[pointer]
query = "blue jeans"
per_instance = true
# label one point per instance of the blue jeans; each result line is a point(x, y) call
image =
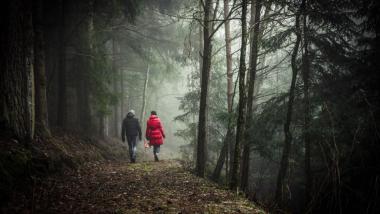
point(132, 142)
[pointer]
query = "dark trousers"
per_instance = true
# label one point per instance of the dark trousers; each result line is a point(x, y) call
point(132, 142)
point(156, 150)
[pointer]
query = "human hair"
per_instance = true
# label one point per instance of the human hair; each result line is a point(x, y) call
point(153, 113)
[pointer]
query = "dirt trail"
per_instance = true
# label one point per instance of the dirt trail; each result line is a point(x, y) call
point(145, 187)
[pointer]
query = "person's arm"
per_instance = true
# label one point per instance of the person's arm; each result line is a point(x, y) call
point(162, 129)
point(123, 131)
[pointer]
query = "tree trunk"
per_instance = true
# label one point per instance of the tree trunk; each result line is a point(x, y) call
point(227, 33)
point(220, 162)
point(306, 101)
point(106, 125)
point(206, 67)
point(102, 130)
point(122, 95)
point(16, 77)
point(116, 112)
point(142, 114)
point(84, 109)
point(62, 88)
point(224, 152)
point(39, 71)
point(255, 29)
point(242, 100)
point(200, 61)
point(282, 174)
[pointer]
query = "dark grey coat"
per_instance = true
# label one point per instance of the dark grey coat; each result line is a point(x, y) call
point(130, 127)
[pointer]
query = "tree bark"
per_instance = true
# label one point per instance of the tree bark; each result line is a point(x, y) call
point(62, 88)
point(41, 112)
point(282, 174)
point(206, 67)
point(242, 101)
point(16, 77)
point(255, 29)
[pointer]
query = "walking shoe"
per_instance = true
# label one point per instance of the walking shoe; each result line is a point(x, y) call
point(155, 158)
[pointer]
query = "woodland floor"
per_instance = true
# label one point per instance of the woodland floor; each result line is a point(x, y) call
point(123, 187)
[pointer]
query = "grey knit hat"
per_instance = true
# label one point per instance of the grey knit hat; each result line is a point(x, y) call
point(132, 112)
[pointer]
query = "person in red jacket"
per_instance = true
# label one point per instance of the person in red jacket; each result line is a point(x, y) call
point(155, 133)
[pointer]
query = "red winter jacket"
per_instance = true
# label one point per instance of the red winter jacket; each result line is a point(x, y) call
point(154, 131)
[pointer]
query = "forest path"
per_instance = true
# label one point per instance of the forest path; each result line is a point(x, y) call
point(144, 187)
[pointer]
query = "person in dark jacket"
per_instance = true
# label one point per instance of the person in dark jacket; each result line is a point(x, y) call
point(131, 129)
point(155, 133)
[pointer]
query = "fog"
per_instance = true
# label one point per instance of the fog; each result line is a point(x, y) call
point(278, 100)
point(164, 99)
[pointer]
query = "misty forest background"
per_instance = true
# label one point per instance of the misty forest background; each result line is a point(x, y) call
point(276, 98)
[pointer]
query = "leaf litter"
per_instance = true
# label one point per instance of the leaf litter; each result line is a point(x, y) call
point(144, 187)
